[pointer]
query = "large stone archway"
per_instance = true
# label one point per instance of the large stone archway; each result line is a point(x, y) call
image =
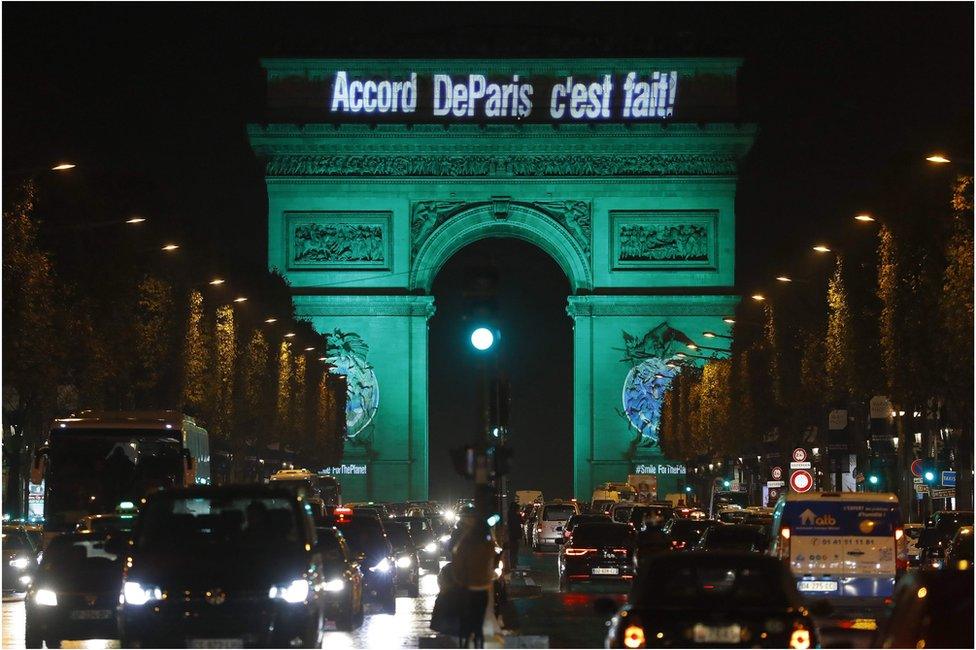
point(640, 217)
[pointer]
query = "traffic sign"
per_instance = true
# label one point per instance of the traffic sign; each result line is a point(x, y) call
point(801, 481)
point(917, 480)
point(837, 420)
point(948, 479)
point(917, 467)
point(803, 465)
point(943, 493)
point(799, 454)
point(880, 407)
point(922, 489)
point(775, 484)
point(776, 473)
point(773, 494)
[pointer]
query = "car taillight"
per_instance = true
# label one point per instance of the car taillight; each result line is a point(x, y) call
point(634, 636)
point(567, 533)
point(620, 551)
point(539, 529)
point(579, 551)
point(784, 543)
point(677, 543)
point(899, 533)
point(800, 639)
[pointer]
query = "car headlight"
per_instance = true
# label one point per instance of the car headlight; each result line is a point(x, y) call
point(404, 562)
point(26, 579)
point(431, 548)
point(20, 563)
point(45, 598)
point(382, 566)
point(445, 538)
point(134, 593)
point(334, 585)
point(294, 592)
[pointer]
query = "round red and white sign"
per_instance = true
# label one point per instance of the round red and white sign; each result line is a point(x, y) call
point(801, 481)
point(917, 467)
point(799, 454)
point(773, 495)
point(776, 473)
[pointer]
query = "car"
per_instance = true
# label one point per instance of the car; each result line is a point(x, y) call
point(620, 511)
point(428, 548)
point(76, 591)
point(938, 532)
point(343, 580)
point(552, 518)
point(374, 552)
point(959, 555)
point(733, 537)
point(654, 515)
point(931, 609)
point(19, 561)
point(597, 551)
point(683, 534)
point(407, 563)
point(731, 514)
point(234, 566)
point(709, 599)
point(912, 550)
point(602, 505)
point(586, 518)
point(117, 522)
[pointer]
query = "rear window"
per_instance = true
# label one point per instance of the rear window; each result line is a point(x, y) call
point(67, 555)
point(734, 538)
point(558, 513)
point(17, 541)
point(399, 536)
point(706, 583)
point(622, 514)
point(602, 535)
point(687, 530)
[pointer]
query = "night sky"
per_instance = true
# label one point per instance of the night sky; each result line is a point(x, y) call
point(848, 100)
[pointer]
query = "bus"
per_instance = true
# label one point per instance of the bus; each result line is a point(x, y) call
point(96, 462)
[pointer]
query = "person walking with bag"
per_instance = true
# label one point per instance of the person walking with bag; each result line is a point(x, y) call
point(473, 562)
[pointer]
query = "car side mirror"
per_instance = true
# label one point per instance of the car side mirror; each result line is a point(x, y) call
point(604, 607)
point(821, 608)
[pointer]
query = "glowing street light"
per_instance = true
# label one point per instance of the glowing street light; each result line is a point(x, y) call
point(169, 248)
point(323, 358)
point(659, 375)
point(217, 281)
point(758, 297)
point(936, 158)
point(309, 349)
point(240, 299)
point(482, 338)
point(60, 167)
point(730, 320)
point(864, 216)
point(270, 320)
point(822, 248)
point(784, 278)
point(713, 335)
point(691, 346)
point(289, 335)
point(135, 220)
point(680, 355)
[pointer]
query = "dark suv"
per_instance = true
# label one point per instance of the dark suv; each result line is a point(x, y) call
point(234, 566)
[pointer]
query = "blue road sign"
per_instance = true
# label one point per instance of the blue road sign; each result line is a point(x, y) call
point(948, 479)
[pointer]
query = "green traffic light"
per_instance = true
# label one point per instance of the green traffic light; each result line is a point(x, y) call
point(728, 483)
point(929, 476)
point(687, 488)
point(873, 479)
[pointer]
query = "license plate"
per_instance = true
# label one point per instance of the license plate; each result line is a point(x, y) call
point(91, 614)
point(816, 585)
point(215, 643)
point(605, 571)
point(717, 634)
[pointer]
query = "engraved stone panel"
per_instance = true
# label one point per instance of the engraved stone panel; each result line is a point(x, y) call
point(338, 240)
point(652, 239)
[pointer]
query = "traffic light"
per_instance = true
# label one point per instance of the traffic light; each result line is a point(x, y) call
point(930, 471)
point(688, 489)
point(874, 479)
point(726, 484)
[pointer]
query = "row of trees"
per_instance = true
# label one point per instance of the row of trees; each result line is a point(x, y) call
point(103, 323)
point(895, 318)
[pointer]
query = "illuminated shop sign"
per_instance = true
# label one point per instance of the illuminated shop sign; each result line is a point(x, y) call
point(634, 95)
point(344, 469)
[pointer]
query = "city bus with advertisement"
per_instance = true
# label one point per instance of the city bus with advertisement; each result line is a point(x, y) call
point(98, 461)
point(842, 547)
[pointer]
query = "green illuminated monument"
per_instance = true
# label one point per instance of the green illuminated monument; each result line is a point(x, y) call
point(623, 171)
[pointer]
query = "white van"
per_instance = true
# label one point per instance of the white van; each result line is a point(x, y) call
point(552, 519)
point(841, 546)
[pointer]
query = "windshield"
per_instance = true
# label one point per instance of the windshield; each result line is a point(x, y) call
point(234, 521)
point(73, 556)
point(416, 526)
point(91, 472)
point(399, 537)
point(365, 538)
point(621, 514)
point(656, 516)
point(710, 584)
point(558, 513)
point(122, 523)
point(597, 535)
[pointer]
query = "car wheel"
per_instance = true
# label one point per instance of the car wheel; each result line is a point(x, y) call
point(346, 620)
point(53, 643)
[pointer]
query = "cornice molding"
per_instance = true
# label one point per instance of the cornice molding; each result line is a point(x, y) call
point(651, 305)
point(307, 306)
